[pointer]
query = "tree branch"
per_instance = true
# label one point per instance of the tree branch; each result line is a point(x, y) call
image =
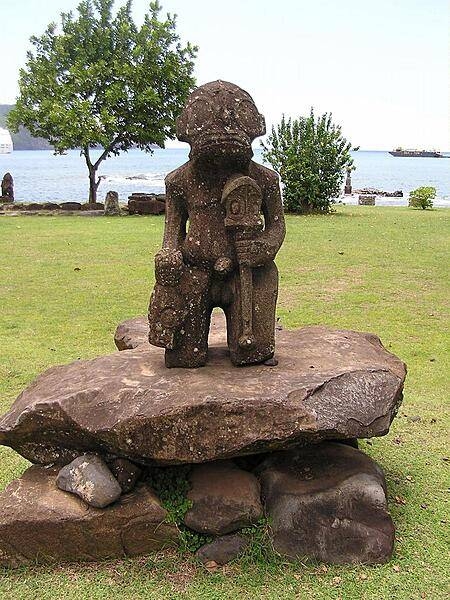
point(105, 152)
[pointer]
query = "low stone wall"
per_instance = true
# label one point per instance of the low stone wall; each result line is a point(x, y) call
point(52, 206)
point(146, 204)
point(364, 200)
point(376, 192)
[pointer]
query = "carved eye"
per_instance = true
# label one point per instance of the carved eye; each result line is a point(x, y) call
point(236, 207)
point(201, 113)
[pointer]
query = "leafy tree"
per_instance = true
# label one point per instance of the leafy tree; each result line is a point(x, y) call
point(422, 197)
point(311, 157)
point(104, 82)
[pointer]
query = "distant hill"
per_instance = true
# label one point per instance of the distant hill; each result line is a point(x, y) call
point(22, 140)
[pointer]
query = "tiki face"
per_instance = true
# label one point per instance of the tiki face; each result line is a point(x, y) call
point(220, 120)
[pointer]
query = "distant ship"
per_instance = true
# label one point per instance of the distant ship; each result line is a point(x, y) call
point(6, 144)
point(417, 153)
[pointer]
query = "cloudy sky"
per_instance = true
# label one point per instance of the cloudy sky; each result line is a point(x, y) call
point(380, 66)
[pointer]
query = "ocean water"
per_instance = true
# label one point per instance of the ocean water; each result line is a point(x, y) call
point(39, 176)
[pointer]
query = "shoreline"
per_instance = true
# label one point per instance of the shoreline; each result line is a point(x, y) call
point(10, 212)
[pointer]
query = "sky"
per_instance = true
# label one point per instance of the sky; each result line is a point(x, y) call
point(381, 67)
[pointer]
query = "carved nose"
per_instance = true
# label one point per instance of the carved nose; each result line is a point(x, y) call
point(227, 116)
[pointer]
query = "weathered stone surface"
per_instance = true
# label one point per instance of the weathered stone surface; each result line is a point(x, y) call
point(329, 384)
point(50, 206)
point(327, 502)
point(131, 333)
point(376, 192)
point(89, 478)
point(348, 182)
point(33, 206)
point(224, 498)
point(40, 523)
point(126, 473)
point(223, 549)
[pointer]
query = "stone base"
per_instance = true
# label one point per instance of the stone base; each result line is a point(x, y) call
point(40, 523)
point(325, 502)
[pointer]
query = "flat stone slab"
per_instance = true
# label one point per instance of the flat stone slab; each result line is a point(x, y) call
point(329, 384)
point(39, 523)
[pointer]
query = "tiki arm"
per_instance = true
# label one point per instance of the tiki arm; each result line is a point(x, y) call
point(169, 260)
point(176, 216)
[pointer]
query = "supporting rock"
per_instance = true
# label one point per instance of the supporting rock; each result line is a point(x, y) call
point(328, 503)
point(40, 523)
point(224, 498)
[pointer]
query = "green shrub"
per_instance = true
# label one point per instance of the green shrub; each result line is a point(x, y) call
point(311, 157)
point(422, 197)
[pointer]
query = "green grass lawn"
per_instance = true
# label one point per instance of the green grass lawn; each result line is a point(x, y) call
point(66, 282)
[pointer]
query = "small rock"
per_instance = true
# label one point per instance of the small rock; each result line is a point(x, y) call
point(50, 206)
point(146, 204)
point(211, 566)
point(271, 362)
point(366, 200)
point(223, 549)
point(126, 473)
point(89, 478)
point(415, 419)
point(225, 498)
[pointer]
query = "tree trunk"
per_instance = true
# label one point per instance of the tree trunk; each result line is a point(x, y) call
point(93, 184)
point(92, 168)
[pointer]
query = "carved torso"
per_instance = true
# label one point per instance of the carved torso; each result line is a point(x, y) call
point(199, 198)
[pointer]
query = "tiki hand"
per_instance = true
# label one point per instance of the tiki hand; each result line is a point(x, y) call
point(168, 266)
point(253, 253)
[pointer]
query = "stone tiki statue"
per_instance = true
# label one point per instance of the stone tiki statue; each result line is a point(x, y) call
point(224, 226)
point(8, 187)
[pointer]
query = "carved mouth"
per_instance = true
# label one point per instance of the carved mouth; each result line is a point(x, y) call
point(235, 140)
